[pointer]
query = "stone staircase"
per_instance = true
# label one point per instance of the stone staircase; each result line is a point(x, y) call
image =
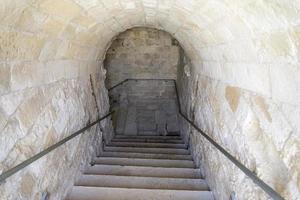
point(142, 168)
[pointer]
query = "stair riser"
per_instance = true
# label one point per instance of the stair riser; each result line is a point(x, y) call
point(148, 137)
point(149, 141)
point(143, 171)
point(147, 150)
point(145, 145)
point(145, 162)
point(146, 156)
point(142, 182)
point(92, 193)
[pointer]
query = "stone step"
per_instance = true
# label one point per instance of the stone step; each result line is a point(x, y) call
point(145, 145)
point(147, 140)
point(142, 182)
point(108, 193)
point(147, 137)
point(143, 171)
point(144, 162)
point(146, 155)
point(147, 150)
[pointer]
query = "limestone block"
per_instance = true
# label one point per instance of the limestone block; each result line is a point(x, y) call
point(112, 5)
point(26, 75)
point(27, 185)
point(87, 4)
point(84, 21)
point(9, 136)
point(3, 121)
point(285, 89)
point(149, 3)
point(261, 16)
point(31, 20)
point(276, 47)
point(67, 9)
point(17, 45)
point(128, 4)
point(53, 26)
point(30, 109)
point(11, 10)
point(292, 114)
point(49, 50)
point(242, 50)
point(164, 5)
point(254, 77)
point(4, 78)
point(233, 95)
point(273, 122)
point(10, 102)
point(296, 37)
point(55, 70)
point(221, 32)
point(268, 161)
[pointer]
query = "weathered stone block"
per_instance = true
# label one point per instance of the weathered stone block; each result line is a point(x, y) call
point(67, 9)
point(4, 78)
point(286, 89)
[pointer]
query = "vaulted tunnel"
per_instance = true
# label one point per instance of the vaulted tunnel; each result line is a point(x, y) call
point(237, 73)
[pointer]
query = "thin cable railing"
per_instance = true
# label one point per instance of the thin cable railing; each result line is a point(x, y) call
point(19, 167)
point(259, 182)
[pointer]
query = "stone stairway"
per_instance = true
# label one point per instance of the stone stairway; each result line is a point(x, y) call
point(142, 168)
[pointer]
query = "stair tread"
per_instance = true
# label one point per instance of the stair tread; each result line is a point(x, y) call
point(147, 137)
point(143, 171)
point(144, 162)
point(147, 150)
point(145, 155)
point(172, 141)
point(143, 168)
point(142, 182)
point(145, 145)
point(108, 193)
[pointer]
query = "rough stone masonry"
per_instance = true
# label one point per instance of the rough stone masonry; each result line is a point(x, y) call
point(144, 106)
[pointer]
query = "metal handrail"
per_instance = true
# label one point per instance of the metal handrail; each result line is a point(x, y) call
point(259, 182)
point(27, 162)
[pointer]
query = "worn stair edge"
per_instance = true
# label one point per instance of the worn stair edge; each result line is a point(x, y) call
point(144, 162)
point(142, 182)
point(143, 171)
point(145, 145)
point(147, 150)
point(145, 155)
point(148, 137)
point(106, 193)
point(147, 140)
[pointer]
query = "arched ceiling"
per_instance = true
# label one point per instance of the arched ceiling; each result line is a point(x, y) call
point(221, 37)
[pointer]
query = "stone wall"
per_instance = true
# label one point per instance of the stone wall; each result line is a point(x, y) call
point(141, 53)
point(145, 107)
point(260, 132)
point(40, 117)
point(35, 115)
